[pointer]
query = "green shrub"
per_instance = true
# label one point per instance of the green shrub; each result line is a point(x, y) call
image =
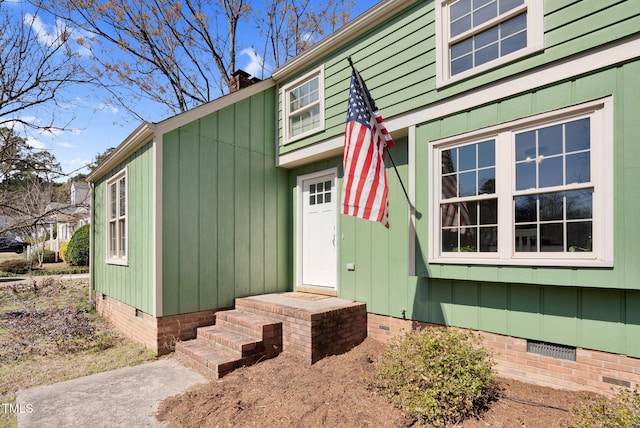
point(62, 270)
point(64, 251)
point(16, 266)
point(622, 411)
point(49, 256)
point(437, 375)
point(79, 247)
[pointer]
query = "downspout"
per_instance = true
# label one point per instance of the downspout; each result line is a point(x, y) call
point(92, 222)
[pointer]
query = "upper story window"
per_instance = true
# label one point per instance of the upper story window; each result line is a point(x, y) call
point(303, 112)
point(117, 227)
point(475, 35)
point(532, 192)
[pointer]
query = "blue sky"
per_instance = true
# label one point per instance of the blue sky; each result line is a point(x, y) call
point(93, 125)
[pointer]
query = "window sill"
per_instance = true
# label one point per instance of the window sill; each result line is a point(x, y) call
point(302, 136)
point(119, 262)
point(523, 262)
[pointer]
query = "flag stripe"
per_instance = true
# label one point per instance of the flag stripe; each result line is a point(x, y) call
point(365, 186)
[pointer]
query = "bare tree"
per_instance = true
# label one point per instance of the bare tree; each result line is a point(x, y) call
point(288, 27)
point(183, 53)
point(34, 70)
point(174, 53)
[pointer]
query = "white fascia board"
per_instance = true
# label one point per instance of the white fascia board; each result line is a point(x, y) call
point(199, 112)
point(147, 130)
point(323, 150)
point(614, 53)
point(142, 135)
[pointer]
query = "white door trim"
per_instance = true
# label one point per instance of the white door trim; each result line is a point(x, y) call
point(299, 216)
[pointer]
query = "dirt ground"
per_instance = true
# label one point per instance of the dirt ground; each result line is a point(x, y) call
point(286, 392)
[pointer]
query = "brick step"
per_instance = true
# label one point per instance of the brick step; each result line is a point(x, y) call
point(213, 362)
point(244, 345)
point(238, 339)
point(249, 324)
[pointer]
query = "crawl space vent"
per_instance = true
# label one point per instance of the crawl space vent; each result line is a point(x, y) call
point(551, 350)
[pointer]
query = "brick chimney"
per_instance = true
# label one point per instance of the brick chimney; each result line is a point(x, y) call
point(240, 79)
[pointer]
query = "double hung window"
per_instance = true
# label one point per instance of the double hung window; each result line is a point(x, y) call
point(474, 35)
point(536, 191)
point(304, 106)
point(117, 218)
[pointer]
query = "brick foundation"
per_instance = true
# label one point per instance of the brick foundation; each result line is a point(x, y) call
point(158, 334)
point(593, 371)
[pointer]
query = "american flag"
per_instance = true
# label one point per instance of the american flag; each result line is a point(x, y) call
point(365, 188)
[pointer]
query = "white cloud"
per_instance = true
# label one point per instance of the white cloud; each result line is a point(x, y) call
point(36, 143)
point(109, 108)
point(59, 34)
point(78, 161)
point(256, 62)
point(42, 32)
point(66, 145)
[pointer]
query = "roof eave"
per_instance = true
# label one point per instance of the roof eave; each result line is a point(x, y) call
point(140, 136)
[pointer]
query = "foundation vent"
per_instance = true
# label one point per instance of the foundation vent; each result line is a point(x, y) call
point(551, 350)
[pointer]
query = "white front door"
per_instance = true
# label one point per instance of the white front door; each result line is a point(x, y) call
point(317, 250)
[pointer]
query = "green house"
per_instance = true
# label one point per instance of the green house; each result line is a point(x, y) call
point(516, 126)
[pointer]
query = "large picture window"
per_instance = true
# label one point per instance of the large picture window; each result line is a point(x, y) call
point(304, 106)
point(117, 218)
point(528, 192)
point(474, 35)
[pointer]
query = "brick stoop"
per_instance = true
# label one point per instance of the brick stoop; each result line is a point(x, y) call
point(310, 326)
point(238, 339)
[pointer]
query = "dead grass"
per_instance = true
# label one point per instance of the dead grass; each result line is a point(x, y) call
point(49, 334)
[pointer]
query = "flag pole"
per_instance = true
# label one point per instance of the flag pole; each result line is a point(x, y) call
point(370, 109)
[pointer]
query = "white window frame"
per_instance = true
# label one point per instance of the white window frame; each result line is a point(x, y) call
point(121, 256)
point(535, 39)
point(600, 113)
point(317, 73)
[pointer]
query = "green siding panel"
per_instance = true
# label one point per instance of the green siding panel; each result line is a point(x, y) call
point(131, 284)
point(632, 322)
point(493, 308)
point(525, 309)
point(223, 208)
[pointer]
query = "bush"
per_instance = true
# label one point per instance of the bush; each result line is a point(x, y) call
point(64, 251)
point(49, 256)
point(79, 247)
point(437, 375)
point(623, 411)
point(63, 270)
point(16, 266)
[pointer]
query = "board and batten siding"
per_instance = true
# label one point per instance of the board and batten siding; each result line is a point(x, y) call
point(131, 284)
point(224, 209)
point(397, 59)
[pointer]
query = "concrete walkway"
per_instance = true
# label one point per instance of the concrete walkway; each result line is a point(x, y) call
point(127, 397)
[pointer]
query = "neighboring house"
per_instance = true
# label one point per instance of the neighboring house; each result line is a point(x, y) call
point(68, 217)
point(516, 130)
